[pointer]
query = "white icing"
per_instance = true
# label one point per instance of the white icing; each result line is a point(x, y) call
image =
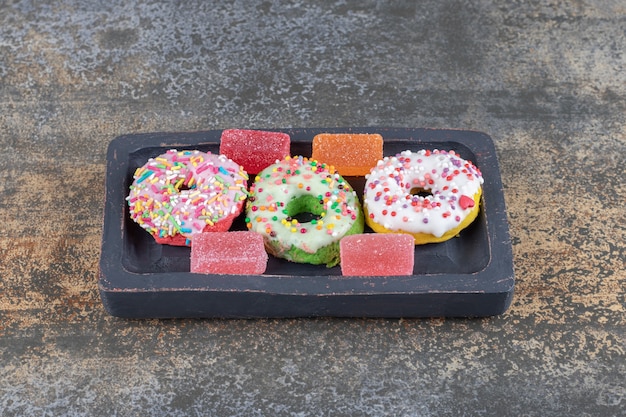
point(388, 200)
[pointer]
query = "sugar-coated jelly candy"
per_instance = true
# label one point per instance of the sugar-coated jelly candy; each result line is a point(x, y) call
point(254, 149)
point(352, 154)
point(377, 254)
point(240, 253)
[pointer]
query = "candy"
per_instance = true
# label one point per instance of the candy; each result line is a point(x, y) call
point(254, 149)
point(374, 254)
point(239, 253)
point(352, 154)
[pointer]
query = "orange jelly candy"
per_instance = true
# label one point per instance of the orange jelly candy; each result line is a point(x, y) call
point(352, 154)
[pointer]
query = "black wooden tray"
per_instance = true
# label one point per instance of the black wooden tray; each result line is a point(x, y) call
point(467, 276)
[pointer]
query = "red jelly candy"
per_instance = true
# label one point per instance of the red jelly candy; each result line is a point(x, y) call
point(239, 253)
point(377, 254)
point(254, 149)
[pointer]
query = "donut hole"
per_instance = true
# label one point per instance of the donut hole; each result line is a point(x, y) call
point(182, 186)
point(304, 209)
point(420, 192)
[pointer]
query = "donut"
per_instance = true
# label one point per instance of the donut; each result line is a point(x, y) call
point(431, 195)
point(303, 208)
point(181, 193)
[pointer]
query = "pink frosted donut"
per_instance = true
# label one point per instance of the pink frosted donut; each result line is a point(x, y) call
point(182, 193)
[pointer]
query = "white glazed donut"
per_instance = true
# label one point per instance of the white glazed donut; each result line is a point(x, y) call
point(431, 195)
point(181, 193)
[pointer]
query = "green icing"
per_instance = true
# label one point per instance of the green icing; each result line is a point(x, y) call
point(328, 255)
point(304, 204)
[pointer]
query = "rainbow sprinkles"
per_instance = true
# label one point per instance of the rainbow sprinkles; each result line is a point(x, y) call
point(186, 192)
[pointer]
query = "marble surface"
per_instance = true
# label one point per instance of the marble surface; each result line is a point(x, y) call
point(544, 78)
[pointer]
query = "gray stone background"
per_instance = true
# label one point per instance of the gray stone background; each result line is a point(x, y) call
point(544, 78)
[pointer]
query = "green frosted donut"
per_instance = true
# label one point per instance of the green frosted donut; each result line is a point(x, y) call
point(303, 208)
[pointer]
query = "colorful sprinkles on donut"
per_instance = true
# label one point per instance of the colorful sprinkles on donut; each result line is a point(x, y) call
point(431, 195)
point(303, 208)
point(181, 193)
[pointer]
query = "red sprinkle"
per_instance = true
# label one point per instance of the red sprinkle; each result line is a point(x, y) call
point(466, 202)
